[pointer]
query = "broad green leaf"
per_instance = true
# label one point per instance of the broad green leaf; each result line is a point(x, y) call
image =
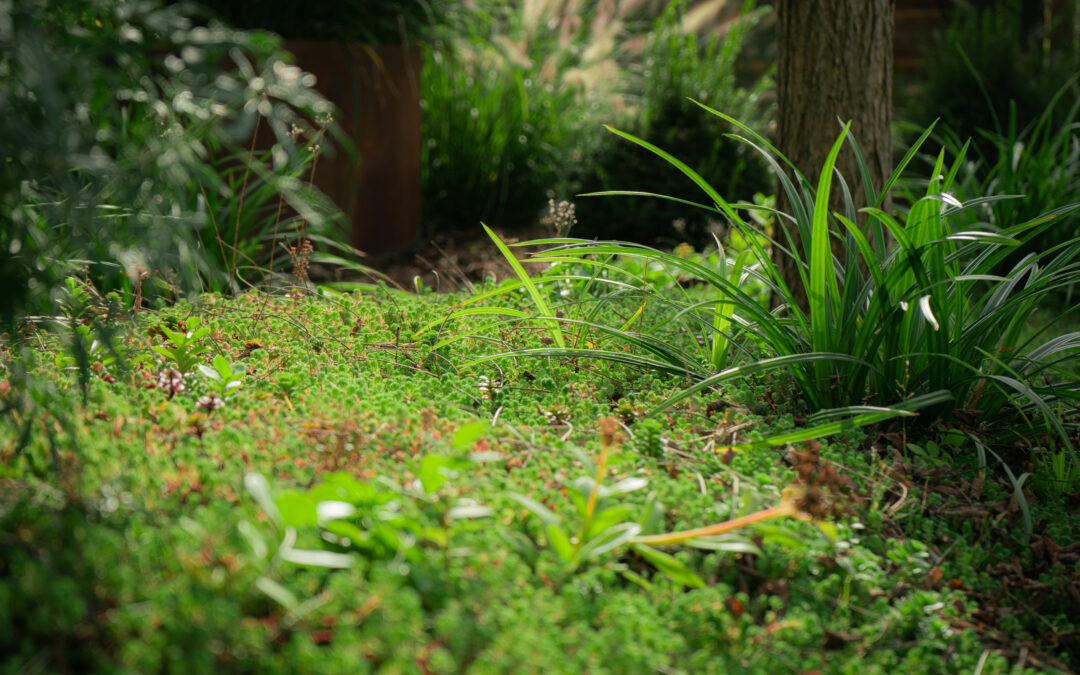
point(468, 511)
point(222, 366)
point(254, 538)
point(207, 371)
point(774, 534)
point(277, 592)
point(724, 543)
point(608, 540)
point(432, 473)
point(349, 532)
point(652, 517)
point(316, 558)
point(559, 542)
point(624, 486)
point(669, 566)
point(635, 578)
point(178, 339)
point(259, 489)
point(333, 510)
point(828, 529)
point(297, 509)
point(467, 434)
point(605, 518)
point(537, 509)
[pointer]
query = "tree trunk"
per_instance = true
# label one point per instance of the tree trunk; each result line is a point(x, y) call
point(834, 62)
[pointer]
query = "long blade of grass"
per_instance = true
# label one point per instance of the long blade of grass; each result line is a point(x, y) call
point(721, 203)
point(1041, 404)
point(472, 311)
point(908, 156)
point(769, 152)
point(637, 193)
point(625, 358)
point(823, 291)
point(547, 315)
point(864, 170)
point(854, 417)
point(774, 363)
point(1018, 495)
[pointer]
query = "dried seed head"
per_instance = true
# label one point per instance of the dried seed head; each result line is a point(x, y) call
point(210, 402)
point(171, 381)
point(608, 428)
point(301, 259)
point(561, 217)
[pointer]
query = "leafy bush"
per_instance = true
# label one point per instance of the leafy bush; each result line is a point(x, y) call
point(113, 113)
point(510, 109)
point(514, 103)
point(676, 65)
point(985, 60)
point(368, 21)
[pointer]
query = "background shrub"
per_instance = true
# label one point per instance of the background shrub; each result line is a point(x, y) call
point(1013, 61)
point(676, 66)
point(112, 115)
point(515, 99)
point(994, 77)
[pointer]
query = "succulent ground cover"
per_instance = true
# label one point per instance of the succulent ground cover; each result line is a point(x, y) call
point(317, 483)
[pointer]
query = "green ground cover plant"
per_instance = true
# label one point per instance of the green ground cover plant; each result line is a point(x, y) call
point(395, 512)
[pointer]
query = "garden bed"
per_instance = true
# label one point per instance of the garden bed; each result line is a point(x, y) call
point(178, 535)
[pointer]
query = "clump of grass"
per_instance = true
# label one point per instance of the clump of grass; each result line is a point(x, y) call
point(930, 321)
point(1034, 165)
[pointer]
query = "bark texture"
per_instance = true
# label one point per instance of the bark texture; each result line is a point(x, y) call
point(834, 62)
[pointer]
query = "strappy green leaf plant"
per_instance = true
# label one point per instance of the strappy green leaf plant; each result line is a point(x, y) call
point(1040, 161)
point(929, 319)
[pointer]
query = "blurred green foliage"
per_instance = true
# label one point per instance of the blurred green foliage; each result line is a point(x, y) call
point(515, 98)
point(677, 66)
point(988, 58)
point(511, 106)
point(1003, 76)
point(114, 113)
